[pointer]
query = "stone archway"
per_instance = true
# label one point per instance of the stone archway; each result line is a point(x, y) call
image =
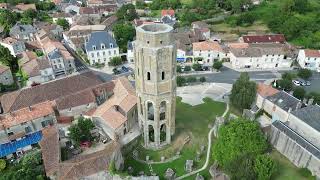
point(151, 133)
point(163, 133)
point(150, 110)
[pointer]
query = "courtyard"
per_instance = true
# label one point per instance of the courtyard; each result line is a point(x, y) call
point(190, 139)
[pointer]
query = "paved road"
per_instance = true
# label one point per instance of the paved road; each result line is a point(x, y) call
point(230, 76)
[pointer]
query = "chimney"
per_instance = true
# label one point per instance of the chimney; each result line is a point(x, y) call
point(310, 102)
point(298, 105)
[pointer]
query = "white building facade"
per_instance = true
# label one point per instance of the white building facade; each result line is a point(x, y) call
point(309, 59)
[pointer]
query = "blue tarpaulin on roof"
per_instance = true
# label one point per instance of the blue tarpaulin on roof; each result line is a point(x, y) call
point(11, 147)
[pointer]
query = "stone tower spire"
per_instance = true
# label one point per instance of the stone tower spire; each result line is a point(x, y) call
point(155, 75)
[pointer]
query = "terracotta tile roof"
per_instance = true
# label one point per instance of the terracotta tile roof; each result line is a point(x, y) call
point(33, 45)
point(85, 165)
point(50, 46)
point(49, 91)
point(3, 68)
point(207, 46)
point(9, 40)
point(124, 97)
point(312, 53)
point(266, 90)
point(272, 38)
point(27, 114)
point(31, 68)
point(50, 149)
point(24, 7)
point(74, 100)
point(27, 56)
point(165, 12)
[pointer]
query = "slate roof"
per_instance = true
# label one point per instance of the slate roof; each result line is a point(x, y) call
point(22, 29)
point(284, 100)
point(296, 137)
point(50, 91)
point(98, 38)
point(310, 115)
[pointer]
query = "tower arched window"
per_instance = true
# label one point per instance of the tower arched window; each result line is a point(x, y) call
point(163, 109)
point(150, 111)
point(148, 76)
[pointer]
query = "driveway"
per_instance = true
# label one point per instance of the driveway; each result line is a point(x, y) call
point(193, 95)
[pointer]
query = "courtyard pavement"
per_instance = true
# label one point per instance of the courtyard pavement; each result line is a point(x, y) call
point(193, 95)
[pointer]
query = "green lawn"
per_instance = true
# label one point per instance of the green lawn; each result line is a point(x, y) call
point(287, 170)
point(191, 121)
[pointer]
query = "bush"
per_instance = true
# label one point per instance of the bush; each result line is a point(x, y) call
point(179, 70)
point(305, 73)
point(197, 67)
point(264, 167)
point(202, 79)
point(180, 81)
point(115, 61)
point(217, 65)
point(304, 172)
point(191, 79)
point(187, 68)
point(3, 164)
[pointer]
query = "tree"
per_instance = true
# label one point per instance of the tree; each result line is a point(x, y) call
point(243, 92)
point(304, 73)
point(239, 5)
point(299, 92)
point(112, 168)
point(238, 138)
point(217, 65)
point(123, 33)
point(115, 61)
point(8, 19)
point(81, 131)
point(63, 23)
point(7, 59)
point(45, 5)
point(197, 67)
point(3, 164)
point(180, 81)
point(285, 84)
point(191, 79)
point(242, 167)
point(202, 79)
point(127, 12)
point(264, 167)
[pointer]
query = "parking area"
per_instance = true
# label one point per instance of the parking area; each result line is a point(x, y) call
point(193, 95)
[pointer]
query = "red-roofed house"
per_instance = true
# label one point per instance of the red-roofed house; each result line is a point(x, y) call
point(209, 52)
point(269, 38)
point(310, 59)
point(119, 113)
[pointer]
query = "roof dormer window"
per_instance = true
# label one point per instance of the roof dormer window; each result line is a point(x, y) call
point(111, 45)
point(94, 47)
point(103, 46)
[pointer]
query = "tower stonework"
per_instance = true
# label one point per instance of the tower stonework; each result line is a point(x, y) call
point(155, 75)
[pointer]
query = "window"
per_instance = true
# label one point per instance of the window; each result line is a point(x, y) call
point(98, 54)
point(94, 47)
point(160, 42)
point(104, 59)
point(111, 45)
point(147, 42)
point(103, 53)
point(10, 133)
point(109, 53)
point(28, 129)
point(148, 76)
point(92, 54)
point(114, 52)
point(103, 46)
point(162, 75)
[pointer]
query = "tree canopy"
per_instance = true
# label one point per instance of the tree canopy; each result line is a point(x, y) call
point(217, 65)
point(304, 73)
point(7, 59)
point(243, 92)
point(127, 12)
point(264, 167)
point(63, 23)
point(123, 33)
point(299, 92)
point(81, 131)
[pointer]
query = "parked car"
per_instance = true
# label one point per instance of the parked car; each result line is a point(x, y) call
point(296, 82)
point(308, 83)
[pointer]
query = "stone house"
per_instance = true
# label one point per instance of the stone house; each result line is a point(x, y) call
point(77, 35)
point(118, 115)
point(130, 54)
point(101, 47)
point(208, 51)
point(15, 46)
point(53, 31)
point(202, 27)
point(309, 59)
point(262, 56)
point(61, 61)
point(19, 126)
point(24, 32)
point(6, 77)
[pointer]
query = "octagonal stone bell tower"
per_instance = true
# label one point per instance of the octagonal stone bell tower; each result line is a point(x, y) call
point(155, 75)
